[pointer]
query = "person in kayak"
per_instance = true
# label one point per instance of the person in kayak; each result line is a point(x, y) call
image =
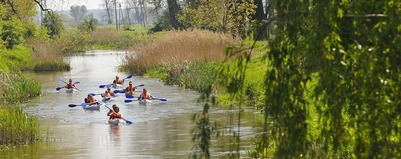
point(145, 95)
point(115, 113)
point(90, 100)
point(118, 80)
point(130, 89)
point(108, 93)
point(70, 84)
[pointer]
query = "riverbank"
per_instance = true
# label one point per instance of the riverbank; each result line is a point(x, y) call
point(16, 127)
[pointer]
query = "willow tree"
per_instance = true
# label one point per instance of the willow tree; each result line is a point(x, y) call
point(228, 16)
point(333, 89)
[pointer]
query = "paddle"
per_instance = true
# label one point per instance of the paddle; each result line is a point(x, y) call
point(127, 121)
point(82, 104)
point(102, 86)
point(123, 90)
point(159, 99)
point(58, 88)
point(74, 105)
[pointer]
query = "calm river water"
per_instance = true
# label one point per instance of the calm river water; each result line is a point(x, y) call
point(160, 130)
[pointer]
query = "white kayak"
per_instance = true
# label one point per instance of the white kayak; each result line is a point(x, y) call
point(69, 90)
point(116, 121)
point(92, 107)
point(107, 99)
point(117, 86)
point(145, 101)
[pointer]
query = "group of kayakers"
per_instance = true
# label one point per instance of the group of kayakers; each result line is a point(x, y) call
point(115, 111)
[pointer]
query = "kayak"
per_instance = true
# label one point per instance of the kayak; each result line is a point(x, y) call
point(92, 107)
point(145, 101)
point(69, 90)
point(116, 121)
point(107, 99)
point(117, 86)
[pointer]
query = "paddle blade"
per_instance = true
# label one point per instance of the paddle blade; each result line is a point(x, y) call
point(61, 80)
point(72, 105)
point(58, 88)
point(129, 96)
point(119, 91)
point(102, 86)
point(161, 99)
point(128, 122)
point(141, 85)
point(128, 77)
point(128, 101)
point(77, 82)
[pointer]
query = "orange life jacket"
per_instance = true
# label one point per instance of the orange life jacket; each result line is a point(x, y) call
point(117, 81)
point(90, 100)
point(114, 115)
point(130, 88)
point(145, 95)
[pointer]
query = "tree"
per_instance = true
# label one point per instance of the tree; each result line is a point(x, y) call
point(174, 9)
point(78, 12)
point(53, 23)
point(332, 90)
point(109, 10)
point(219, 15)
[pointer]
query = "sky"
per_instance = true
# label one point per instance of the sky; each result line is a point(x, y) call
point(65, 4)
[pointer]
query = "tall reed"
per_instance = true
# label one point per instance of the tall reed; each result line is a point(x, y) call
point(48, 56)
point(176, 47)
point(16, 127)
point(17, 88)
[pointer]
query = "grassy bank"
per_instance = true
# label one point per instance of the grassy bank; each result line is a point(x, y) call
point(16, 127)
point(192, 59)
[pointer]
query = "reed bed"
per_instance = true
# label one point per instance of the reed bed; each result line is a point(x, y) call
point(17, 88)
point(16, 127)
point(48, 56)
point(107, 38)
point(176, 49)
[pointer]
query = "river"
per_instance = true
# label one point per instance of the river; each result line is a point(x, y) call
point(160, 129)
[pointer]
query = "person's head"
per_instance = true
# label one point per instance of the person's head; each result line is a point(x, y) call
point(116, 108)
point(70, 80)
point(117, 77)
point(108, 88)
point(144, 90)
point(130, 83)
point(89, 95)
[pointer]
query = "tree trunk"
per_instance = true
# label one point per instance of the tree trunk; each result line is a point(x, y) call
point(173, 9)
point(260, 14)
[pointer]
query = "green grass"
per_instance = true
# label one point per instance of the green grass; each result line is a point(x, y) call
point(15, 59)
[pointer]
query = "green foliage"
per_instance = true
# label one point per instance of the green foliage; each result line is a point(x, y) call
point(12, 32)
point(19, 88)
point(73, 41)
point(219, 15)
point(351, 49)
point(15, 59)
point(163, 23)
point(54, 24)
point(16, 127)
point(88, 24)
point(197, 76)
point(51, 66)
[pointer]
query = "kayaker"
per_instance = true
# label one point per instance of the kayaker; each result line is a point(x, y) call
point(108, 93)
point(90, 100)
point(130, 89)
point(70, 84)
point(115, 113)
point(145, 95)
point(118, 81)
